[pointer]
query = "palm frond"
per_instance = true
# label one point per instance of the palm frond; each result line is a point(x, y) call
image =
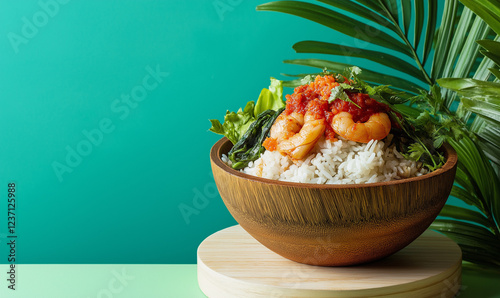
point(444, 38)
point(406, 8)
point(479, 97)
point(463, 50)
point(472, 238)
point(495, 72)
point(465, 215)
point(387, 16)
point(419, 23)
point(431, 28)
point(359, 10)
point(476, 174)
point(488, 10)
point(458, 41)
point(382, 58)
point(336, 21)
point(470, 50)
point(449, 51)
point(377, 23)
point(482, 73)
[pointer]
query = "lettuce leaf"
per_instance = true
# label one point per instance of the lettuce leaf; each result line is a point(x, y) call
point(236, 124)
point(270, 99)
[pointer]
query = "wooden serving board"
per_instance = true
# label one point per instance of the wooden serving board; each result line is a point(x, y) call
point(233, 264)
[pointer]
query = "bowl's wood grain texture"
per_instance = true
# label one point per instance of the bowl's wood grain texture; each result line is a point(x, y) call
point(333, 225)
point(233, 264)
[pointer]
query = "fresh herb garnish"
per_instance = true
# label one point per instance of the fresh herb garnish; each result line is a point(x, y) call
point(339, 93)
point(416, 144)
point(307, 79)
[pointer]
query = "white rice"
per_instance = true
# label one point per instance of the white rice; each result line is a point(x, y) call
point(340, 162)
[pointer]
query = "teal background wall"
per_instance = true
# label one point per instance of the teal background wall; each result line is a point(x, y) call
point(104, 120)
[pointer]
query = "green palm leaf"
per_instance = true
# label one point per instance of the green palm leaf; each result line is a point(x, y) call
point(469, 52)
point(477, 244)
point(465, 190)
point(482, 73)
point(487, 106)
point(488, 132)
point(492, 56)
point(488, 10)
point(374, 6)
point(379, 57)
point(419, 22)
point(358, 10)
point(459, 39)
point(490, 45)
point(463, 49)
point(473, 233)
point(336, 21)
point(431, 28)
point(391, 7)
point(482, 173)
point(444, 37)
point(464, 214)
point(449, 51)
point(479, 97)
point(406, 7)
point(495, 72)
point(490, 148)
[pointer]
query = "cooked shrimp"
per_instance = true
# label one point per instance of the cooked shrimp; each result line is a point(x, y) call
point(377, 127)
point(286, 126)
point(299, 143)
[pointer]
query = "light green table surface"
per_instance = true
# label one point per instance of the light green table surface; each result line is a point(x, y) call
point(151, 281)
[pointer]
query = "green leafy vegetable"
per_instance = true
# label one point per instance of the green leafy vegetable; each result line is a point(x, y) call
point(236, 124)
point(415, 144)
point(249, 147)
point(270, 99)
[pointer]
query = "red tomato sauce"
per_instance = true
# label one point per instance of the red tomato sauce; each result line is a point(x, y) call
point(314, 98)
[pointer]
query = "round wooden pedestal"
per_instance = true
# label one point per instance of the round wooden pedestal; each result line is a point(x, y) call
point(233, 264)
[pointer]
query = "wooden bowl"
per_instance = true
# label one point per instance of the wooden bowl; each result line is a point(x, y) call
point(333, 225)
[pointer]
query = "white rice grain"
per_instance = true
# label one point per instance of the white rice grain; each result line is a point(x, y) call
point(339, 162)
